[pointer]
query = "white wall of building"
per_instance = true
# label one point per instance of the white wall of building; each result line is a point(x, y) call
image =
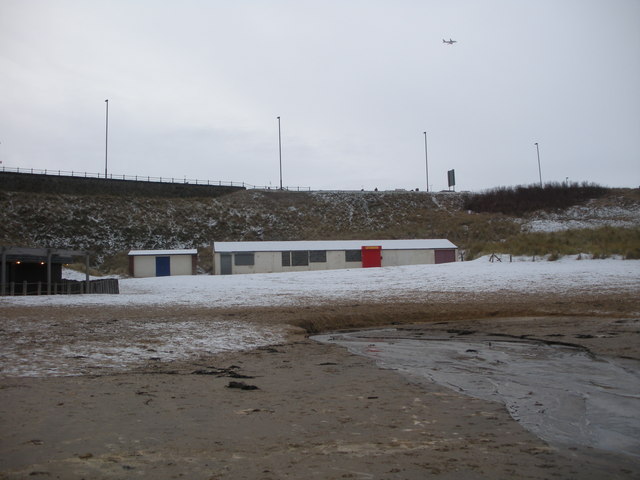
point(181, 264)
point(271, 262)
point(393, 258)
point(145, 265)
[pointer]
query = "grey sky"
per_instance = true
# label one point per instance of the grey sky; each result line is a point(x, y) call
point(195, 87)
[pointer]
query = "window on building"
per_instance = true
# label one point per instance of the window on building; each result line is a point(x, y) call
point(299, 259)
point(241, 259)
point(353, 255)
point(318, 256)
point(286, 259)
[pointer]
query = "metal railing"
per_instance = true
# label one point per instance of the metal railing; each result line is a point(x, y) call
point(147, 178)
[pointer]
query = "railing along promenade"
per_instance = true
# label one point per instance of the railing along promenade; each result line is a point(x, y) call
point(146, 178)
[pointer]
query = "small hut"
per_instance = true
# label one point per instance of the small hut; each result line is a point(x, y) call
point(162, 263)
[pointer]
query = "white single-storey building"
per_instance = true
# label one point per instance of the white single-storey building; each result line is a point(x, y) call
point(294, 256)
point(162, 263)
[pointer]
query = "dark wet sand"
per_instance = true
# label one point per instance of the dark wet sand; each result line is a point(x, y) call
point(318, 412)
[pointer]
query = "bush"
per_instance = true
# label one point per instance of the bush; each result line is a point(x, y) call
point(523, 199)
point(117, 264)
point(632, 254)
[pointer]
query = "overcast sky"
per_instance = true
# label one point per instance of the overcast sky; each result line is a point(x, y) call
point(195, 87)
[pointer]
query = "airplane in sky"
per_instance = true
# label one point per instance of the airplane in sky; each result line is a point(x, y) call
point(449, 42)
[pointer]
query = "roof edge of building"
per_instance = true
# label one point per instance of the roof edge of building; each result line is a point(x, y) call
point(134, 253)
point(292, 245)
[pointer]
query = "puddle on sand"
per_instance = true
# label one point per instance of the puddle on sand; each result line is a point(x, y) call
point(564, 395)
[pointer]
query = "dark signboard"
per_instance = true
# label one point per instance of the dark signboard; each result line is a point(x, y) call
point(451, 175)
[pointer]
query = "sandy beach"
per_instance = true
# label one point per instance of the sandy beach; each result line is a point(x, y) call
point(303, 409)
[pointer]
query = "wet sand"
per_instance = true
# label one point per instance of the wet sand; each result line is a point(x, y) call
point(317, 412)
point(565, 395)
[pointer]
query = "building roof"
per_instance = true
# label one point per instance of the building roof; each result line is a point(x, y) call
point(58, 255)
point(191, 251)
point(419, 244)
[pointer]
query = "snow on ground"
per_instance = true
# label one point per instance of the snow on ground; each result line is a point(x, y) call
point(69, 274)
point(82, 344)
point(584, 216)
point(414, 282)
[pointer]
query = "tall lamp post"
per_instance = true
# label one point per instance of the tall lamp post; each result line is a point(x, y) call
point(539, 170)
point(280, 151)
point(426, 159)
point(106, 137)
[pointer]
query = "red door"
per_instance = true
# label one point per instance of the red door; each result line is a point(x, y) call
point(371, 257)
point(445, 256)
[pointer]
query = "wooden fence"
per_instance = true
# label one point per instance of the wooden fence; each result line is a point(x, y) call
point(66, 287)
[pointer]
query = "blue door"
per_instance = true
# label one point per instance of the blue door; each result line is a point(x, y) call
point(163, 268)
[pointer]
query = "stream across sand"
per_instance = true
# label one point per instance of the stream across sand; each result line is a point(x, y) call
point(563, 394)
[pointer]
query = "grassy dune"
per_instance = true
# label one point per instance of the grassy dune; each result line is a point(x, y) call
point(479, 223)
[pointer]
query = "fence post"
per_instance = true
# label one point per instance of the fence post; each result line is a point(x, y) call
point(39, 288)
point(3, 270)
point(24, 287)
point(49, 277)
point(12, 288)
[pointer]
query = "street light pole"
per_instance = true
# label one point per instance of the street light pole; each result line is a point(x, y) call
point(539, 170)
point(426, 159)
point(106, 137)
point(280, 151)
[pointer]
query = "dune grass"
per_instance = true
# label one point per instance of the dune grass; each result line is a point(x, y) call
point(601, 243)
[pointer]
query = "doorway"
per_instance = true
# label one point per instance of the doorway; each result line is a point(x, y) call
point(371, 257)
point(445, 256)
point(225, 264)
point(163, 266)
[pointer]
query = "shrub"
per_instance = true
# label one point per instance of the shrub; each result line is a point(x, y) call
point(117, 264)
point(523, 199)
point(632, 254)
